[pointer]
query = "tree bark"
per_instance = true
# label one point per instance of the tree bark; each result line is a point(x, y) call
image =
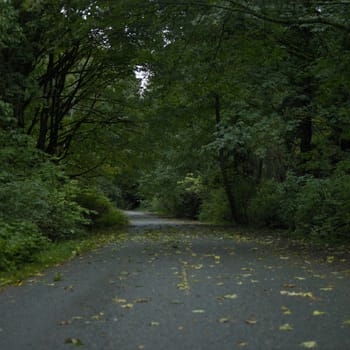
point(223, 166)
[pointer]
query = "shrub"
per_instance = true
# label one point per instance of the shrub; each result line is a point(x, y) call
point(34, 189)
point(215, 207)
point(172, 194)
point(19, 243)
point(102, 213)
point(264, 207)
point(323, 208)
point(65, 218)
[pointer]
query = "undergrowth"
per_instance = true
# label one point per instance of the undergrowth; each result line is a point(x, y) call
point(57, 254)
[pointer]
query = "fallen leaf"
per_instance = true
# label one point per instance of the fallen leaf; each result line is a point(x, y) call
point(251, 322)
point(300, 278)
point(74, 341)
point(319, 313)
point(198, 311)
point(224, 320)
point(97, 317)
point(65, 322)
point(298, 294)
point(141, 300)
point(289, 285)
point(128, 306)
point(249, 269)
point(286, 327)
point(230, 296)
point(309, 344)
point(197, 267)
point(330, 259)
point(242, 344)
point(117, 300)
point(154, 324)
point(286, 310)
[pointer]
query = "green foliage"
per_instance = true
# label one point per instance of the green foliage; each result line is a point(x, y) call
point(264, 207)
point(171, 193)
point(215, 207)
point(33, 189)
point(20, 241)
point(262, 98)
point(102, 213)
point(311, 207)
point(322, 208)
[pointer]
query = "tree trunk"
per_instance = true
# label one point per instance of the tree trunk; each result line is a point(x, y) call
point(223, 166)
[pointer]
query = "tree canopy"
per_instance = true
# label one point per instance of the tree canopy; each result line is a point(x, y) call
point(218, 110)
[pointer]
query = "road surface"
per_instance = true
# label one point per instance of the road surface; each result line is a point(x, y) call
point(172, 285)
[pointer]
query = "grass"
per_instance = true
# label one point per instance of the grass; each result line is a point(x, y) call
point(58, 253)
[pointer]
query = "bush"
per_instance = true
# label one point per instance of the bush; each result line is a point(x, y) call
point(309, 206)
point(19, 243)
point(102, 213)
point(215, 207)
point(65, 218)
point(264, 207)
point(34, 189)
point(323, 208)
point(172, 194)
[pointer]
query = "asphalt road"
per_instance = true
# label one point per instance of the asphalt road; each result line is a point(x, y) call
point(173, 285)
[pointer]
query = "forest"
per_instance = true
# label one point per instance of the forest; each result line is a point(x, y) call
point(225, 111)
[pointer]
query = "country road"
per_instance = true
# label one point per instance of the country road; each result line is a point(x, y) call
point(175, 285)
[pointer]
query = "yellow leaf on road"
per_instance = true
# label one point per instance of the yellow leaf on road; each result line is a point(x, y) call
point(298, 294)
point(74, 341)
point(251, 322)
point(117, 300)
point(230, 296)
point(330, 259)
point(319, 313)
point(242, 344)
point(286, 327)
point(286, 310)
point(309, 344)
point(198, 311)
point(141, 300)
